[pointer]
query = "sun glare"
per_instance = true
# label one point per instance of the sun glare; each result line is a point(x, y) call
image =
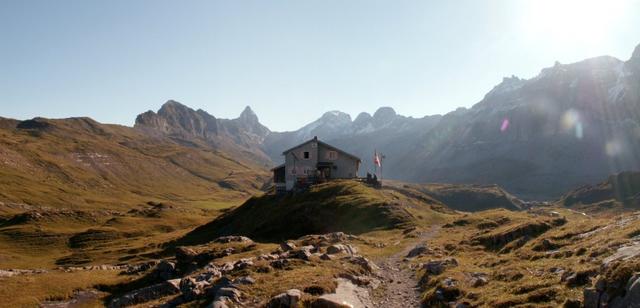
point(572, 21)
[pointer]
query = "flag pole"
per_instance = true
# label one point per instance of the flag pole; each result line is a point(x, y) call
point(375, 165)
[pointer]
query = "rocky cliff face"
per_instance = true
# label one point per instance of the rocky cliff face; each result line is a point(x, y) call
point(178, 120)
point(570, 125)
point(240, 137)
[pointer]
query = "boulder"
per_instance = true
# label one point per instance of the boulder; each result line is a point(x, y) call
point(227, 267)
point(289, 299)
point(147, 294)
point(211, 272)
point(341, 248)
point(591, 298)
point(242, 264)
point(224, 290)
point(418, 250)
point(165, 270)
point(632, 294)
point(361, 281)
point(326, 257)
point(191, 288)
point(287, 246)
point(244, 280)
point(623, 253)
point(478, 280)
point(229, 292)
point(279, 264)
point(576, 279)
point(218, 303)
point(185, 255)
point(304, 253)
point(437, 267)
point(365, 263)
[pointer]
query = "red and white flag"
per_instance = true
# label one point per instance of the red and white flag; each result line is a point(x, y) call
point(376, 158)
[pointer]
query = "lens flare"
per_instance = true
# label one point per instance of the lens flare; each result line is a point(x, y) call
point(505, 125)
point(613, 148)
point(571, 122)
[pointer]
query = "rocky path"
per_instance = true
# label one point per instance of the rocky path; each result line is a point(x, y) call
point(399, 283)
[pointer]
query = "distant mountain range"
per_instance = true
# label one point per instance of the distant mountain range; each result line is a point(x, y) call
point(571, 125)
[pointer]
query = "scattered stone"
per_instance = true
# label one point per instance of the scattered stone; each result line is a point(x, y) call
point(230, 293)
point(218, 303)
point(328, 239)
point(346, 295)
point(227, 267)
point(326, 257)
point(17, 272)
point(267, 257)
point(185, 255)
point(279, 264)
point(242, 264)
point(478, 279)
point(165, 270)
point(147, 294)
point(437, 267)
point(224, 290)
point(303, 253)
point(287, 246)
point(191, 288)
point(576, 279)
point(244, 280)
point(341, 248)
point(233, 238)
point(289, 299)
point(418, 250)
point(623, 253)
point(365, 264)
point(361, 281)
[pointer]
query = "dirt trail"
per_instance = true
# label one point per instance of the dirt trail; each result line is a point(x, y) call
point(399, 283)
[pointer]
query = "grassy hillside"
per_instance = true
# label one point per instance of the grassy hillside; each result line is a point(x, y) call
point(464, 197)
point(80, 163)
point(77, 192)
point(542, 257)
point(347, 206)
point(619, 191)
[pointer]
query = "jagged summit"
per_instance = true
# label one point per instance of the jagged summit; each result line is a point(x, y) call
point(336, 115)
point(383, 116)
point(248, 115)
point(635, 58)
point(636, 53)
point(384, 112)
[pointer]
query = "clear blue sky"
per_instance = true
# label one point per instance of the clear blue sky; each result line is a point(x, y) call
point(289, 60)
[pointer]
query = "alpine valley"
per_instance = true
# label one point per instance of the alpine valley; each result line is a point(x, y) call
point(529, 198)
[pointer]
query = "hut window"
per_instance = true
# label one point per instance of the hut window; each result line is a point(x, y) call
point(333, 155)
point(306, 155)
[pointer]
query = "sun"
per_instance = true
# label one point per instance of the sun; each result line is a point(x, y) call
point(572, 21)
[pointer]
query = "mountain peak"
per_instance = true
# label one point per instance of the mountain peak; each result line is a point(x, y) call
point(248, 116)
point(247, 112)
point(384, 114)
point(635, 56)
point(172, 103)
point(362, 117)
point(335, 114)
